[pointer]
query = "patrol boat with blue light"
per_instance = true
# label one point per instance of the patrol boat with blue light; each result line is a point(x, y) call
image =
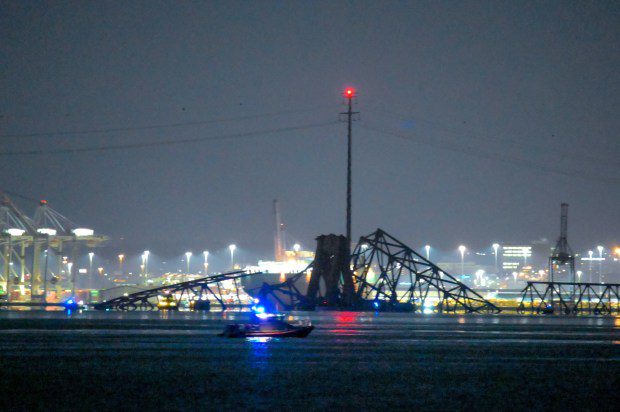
point(266, 325)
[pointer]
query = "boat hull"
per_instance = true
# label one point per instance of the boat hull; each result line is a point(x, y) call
point(300, 332)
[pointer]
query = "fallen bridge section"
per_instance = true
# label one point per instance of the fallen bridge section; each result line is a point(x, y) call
point(570, 298)
point(202, 290)
point(393, 276)
point(386, 275)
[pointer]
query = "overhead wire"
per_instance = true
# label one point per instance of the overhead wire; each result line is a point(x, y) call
point(494, 156)
point(520, 143)
point(18, 195)
point(167, 142)
point(64, 133)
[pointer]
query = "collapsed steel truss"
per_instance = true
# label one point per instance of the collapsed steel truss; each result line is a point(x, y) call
point(570, 298)
point(390, 273)
point(201, 288)
point(285, 295)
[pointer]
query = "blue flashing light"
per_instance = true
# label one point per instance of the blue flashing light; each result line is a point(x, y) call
point(70, 302)
point(259, 309)
point(375, 304)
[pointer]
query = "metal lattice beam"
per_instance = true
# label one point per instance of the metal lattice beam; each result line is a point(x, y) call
point(285, 295)
point(147, 299)
point(391, 274)
point(570, 298)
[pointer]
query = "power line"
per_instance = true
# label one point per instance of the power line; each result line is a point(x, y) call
point(155, 126)
point(169, 142)
point(496, 139)
point(20, 196)
point(498, 157)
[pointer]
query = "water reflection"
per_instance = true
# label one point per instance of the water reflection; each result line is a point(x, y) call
point(260, 351)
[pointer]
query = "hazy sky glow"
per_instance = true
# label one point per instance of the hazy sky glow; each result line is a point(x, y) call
point(477, 119)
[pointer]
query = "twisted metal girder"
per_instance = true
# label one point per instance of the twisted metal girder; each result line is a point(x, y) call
point(570, 298)
point(285, 295)
point(147, 299)
point(390, 273)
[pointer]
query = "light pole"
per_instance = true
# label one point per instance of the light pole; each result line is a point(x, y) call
point(188, 256)
point(90, 262)
point(428, 252)
point(579, 273)
point(90, 267)
point(495, 249)
point(349, 94)
point(121, 257)
point(600, 263)
point(590, 253)
point(232, 249)
point(462, 249)
point(146, 263)
point(206, 255)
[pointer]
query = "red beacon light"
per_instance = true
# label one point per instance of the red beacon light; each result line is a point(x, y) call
point(349, 92)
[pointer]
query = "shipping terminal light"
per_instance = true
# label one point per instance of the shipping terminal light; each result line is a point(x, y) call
point(80, 232)
point(15, 231)
point(47, 231)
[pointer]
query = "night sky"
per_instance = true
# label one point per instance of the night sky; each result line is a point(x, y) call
point(477, 119)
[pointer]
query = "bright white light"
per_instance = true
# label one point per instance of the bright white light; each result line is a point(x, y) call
point(600, 249)
point(15, 231)
point(206, 254)
point(232, 247)
point(462, 249)
point(47, 231)
point(91, 254)
point(495, 247)
point(296, 247)
point(147, 253)
point(188, 254)
point(80, 232)
point(83, 270)
point(364, 246)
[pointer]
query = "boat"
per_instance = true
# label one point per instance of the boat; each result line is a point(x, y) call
point(267, 326)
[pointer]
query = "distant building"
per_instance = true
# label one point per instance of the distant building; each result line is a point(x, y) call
point(515, 258)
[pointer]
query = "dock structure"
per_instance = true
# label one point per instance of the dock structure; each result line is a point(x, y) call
point(25, 240)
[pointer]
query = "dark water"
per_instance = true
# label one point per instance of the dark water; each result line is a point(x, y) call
point(352, 361)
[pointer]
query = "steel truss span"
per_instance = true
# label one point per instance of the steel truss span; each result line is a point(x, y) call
point(392, 275)
point(203, 287)
point(387, 275)
point(570, 298)
point(285, 295)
